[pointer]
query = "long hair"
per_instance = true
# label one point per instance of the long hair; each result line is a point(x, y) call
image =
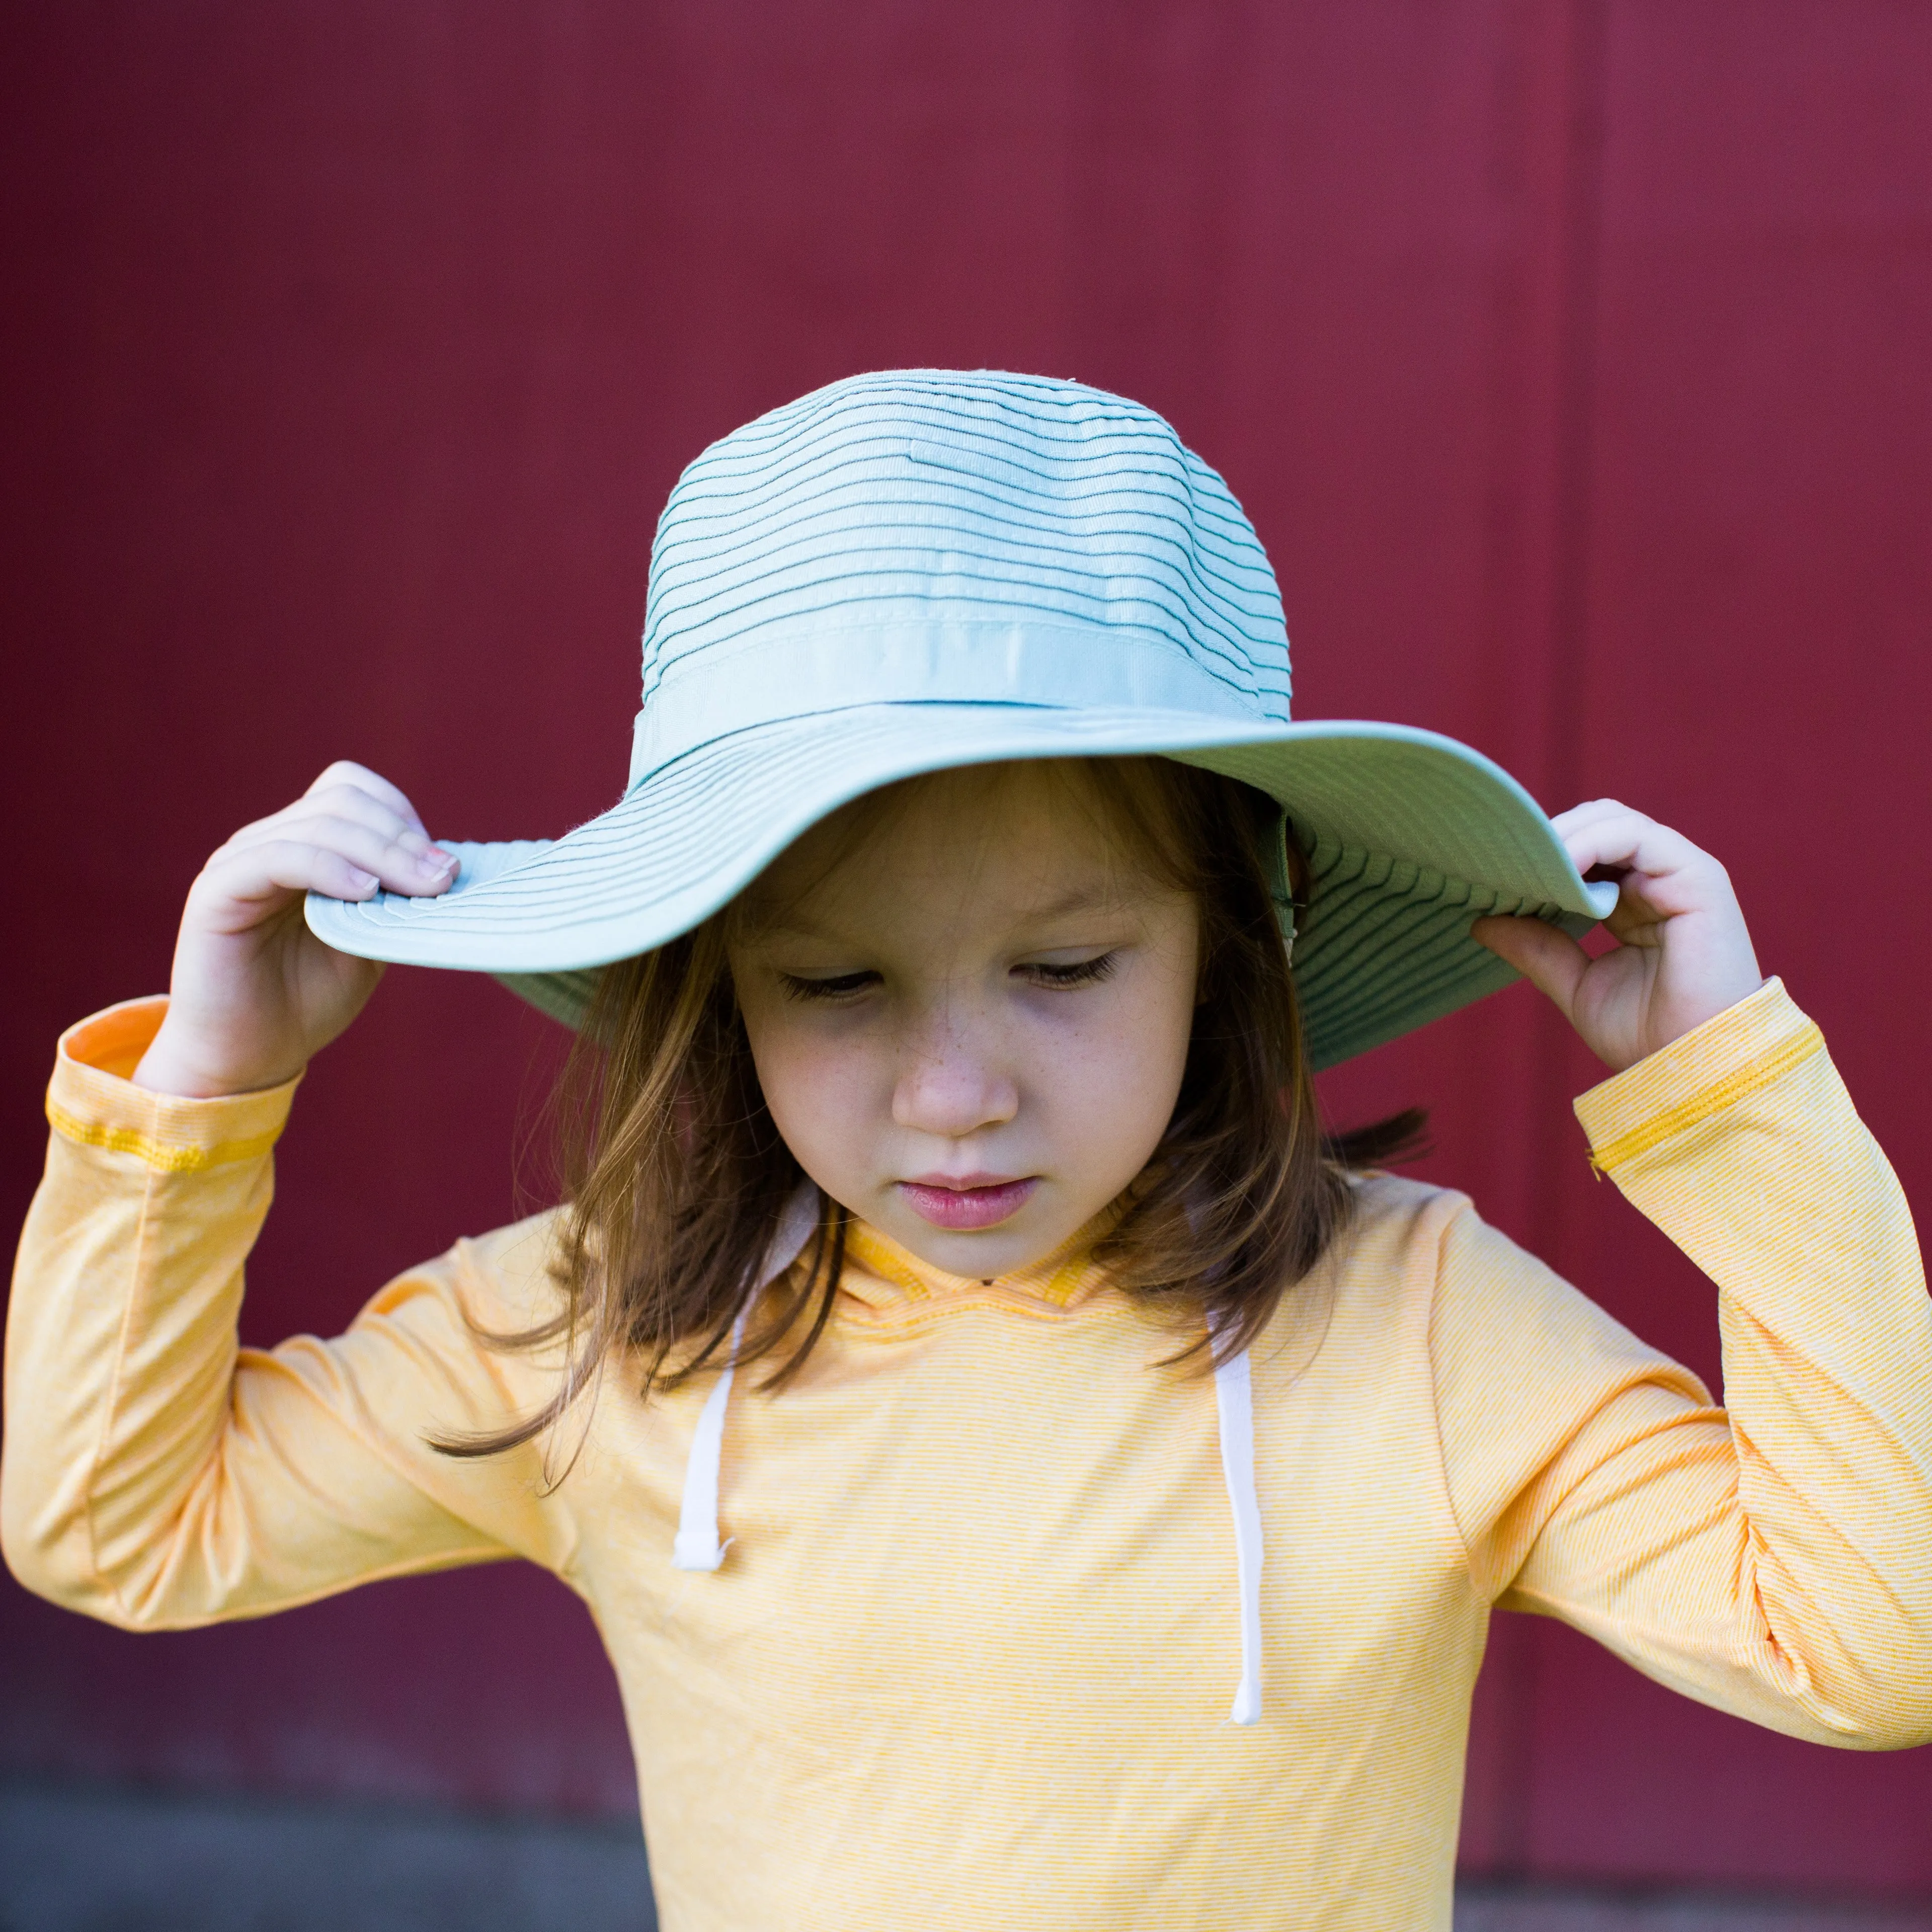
point(675, 1177)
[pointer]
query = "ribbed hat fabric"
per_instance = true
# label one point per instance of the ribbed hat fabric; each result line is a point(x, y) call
point(917, 569)
point(1024, 518)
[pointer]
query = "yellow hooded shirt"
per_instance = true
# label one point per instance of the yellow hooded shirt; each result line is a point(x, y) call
point(969, 1658)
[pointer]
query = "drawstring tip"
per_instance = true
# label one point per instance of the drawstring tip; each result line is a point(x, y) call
point(1247, 1705)
point(696, 1553)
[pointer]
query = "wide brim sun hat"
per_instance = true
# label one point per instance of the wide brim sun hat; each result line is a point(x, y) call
point(920, 569)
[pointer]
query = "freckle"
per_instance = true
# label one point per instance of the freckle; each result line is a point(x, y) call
point(987, 1283)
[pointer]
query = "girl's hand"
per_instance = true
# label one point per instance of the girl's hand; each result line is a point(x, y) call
point(1685, 954)
point(255, 994)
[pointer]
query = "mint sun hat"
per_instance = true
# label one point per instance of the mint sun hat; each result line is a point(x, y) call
point(924, 568)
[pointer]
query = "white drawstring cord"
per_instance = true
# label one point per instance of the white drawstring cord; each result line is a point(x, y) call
point(696, 1546)
point(1234, 1404)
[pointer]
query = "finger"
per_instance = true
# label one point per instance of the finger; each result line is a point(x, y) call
point(278, 869)
point(1605, 831)
point(339, 801)
point(346, 771)
point(1587, 813)
point(415, 874)
point(1546, 955)
point(1628, 842)
point(1636, 919)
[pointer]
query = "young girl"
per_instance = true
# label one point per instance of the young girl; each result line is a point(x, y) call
point(1023, 1474)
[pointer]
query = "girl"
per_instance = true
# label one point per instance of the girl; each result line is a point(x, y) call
point(1023, 1476)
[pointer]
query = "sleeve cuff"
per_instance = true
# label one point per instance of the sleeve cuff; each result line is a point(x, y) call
point(1746, 1046)
point(92, 1102)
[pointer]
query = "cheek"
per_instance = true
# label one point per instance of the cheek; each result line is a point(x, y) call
point(1113, 1082)
point(1161, 1022)
point(816, 1086)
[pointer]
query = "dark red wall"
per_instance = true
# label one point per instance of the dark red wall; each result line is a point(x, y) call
point(1572, 359)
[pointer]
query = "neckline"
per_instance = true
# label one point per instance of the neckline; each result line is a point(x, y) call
point(881, 1273)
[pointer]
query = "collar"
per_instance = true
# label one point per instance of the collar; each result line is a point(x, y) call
point(882, 1275)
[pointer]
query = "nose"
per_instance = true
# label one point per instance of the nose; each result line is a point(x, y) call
point(953, 1081)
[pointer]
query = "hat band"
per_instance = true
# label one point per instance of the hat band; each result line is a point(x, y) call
point(790, 673)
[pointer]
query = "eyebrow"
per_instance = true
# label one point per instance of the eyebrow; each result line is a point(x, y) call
point(1081, 899)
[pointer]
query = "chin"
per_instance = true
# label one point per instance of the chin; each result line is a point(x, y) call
point(983, 1253)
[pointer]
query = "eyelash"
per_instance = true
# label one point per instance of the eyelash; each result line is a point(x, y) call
point(1087, 973)
point(846, 985)
point(842, 988)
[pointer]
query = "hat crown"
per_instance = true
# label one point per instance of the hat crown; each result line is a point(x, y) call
point(975, 536)
point(920, 569)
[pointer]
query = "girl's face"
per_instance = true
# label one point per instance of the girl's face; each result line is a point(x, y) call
point(970, 1020)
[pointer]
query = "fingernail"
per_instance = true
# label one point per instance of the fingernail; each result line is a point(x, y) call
point(436, 864)
point(362, 881)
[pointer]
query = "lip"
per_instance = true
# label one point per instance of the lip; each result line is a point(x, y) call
point(967, 1201)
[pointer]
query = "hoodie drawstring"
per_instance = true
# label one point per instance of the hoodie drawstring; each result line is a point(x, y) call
point(1234, 1408)
point(696, 1546)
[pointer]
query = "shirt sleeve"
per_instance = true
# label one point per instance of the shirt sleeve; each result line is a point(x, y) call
point(1774, 1559)
point(158, 1476)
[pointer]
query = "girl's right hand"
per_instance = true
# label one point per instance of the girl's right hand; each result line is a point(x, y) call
point(255, 995)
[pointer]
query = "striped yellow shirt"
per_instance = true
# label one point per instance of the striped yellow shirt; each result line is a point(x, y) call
point(968, 1660)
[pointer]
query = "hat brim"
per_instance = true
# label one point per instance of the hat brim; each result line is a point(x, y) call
point(1411, 837)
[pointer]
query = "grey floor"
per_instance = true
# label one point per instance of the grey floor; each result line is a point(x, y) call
point(82, 1861)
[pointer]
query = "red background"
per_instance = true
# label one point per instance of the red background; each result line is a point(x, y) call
point(1571, 358)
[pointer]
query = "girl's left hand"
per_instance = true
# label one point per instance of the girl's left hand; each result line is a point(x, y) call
point(1685, 956)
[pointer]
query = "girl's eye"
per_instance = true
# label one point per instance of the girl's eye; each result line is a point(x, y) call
point(840, 986)
point(1086, 972)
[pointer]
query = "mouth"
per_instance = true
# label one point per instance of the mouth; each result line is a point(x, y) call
point(971, 1201)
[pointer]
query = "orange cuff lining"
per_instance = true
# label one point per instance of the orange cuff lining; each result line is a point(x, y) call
point(113, 1041)
point(91, 1103)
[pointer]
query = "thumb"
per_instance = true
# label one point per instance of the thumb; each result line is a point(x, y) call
point(1547, 956)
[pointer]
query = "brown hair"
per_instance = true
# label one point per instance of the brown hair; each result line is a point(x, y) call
point(676, 1177)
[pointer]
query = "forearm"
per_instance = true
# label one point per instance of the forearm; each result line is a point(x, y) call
point(1747, 1152)
point(155, 1475)
point(121, 1341)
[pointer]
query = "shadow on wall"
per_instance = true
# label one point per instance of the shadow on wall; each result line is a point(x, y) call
point(80, 1860)
point(76, 1860)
